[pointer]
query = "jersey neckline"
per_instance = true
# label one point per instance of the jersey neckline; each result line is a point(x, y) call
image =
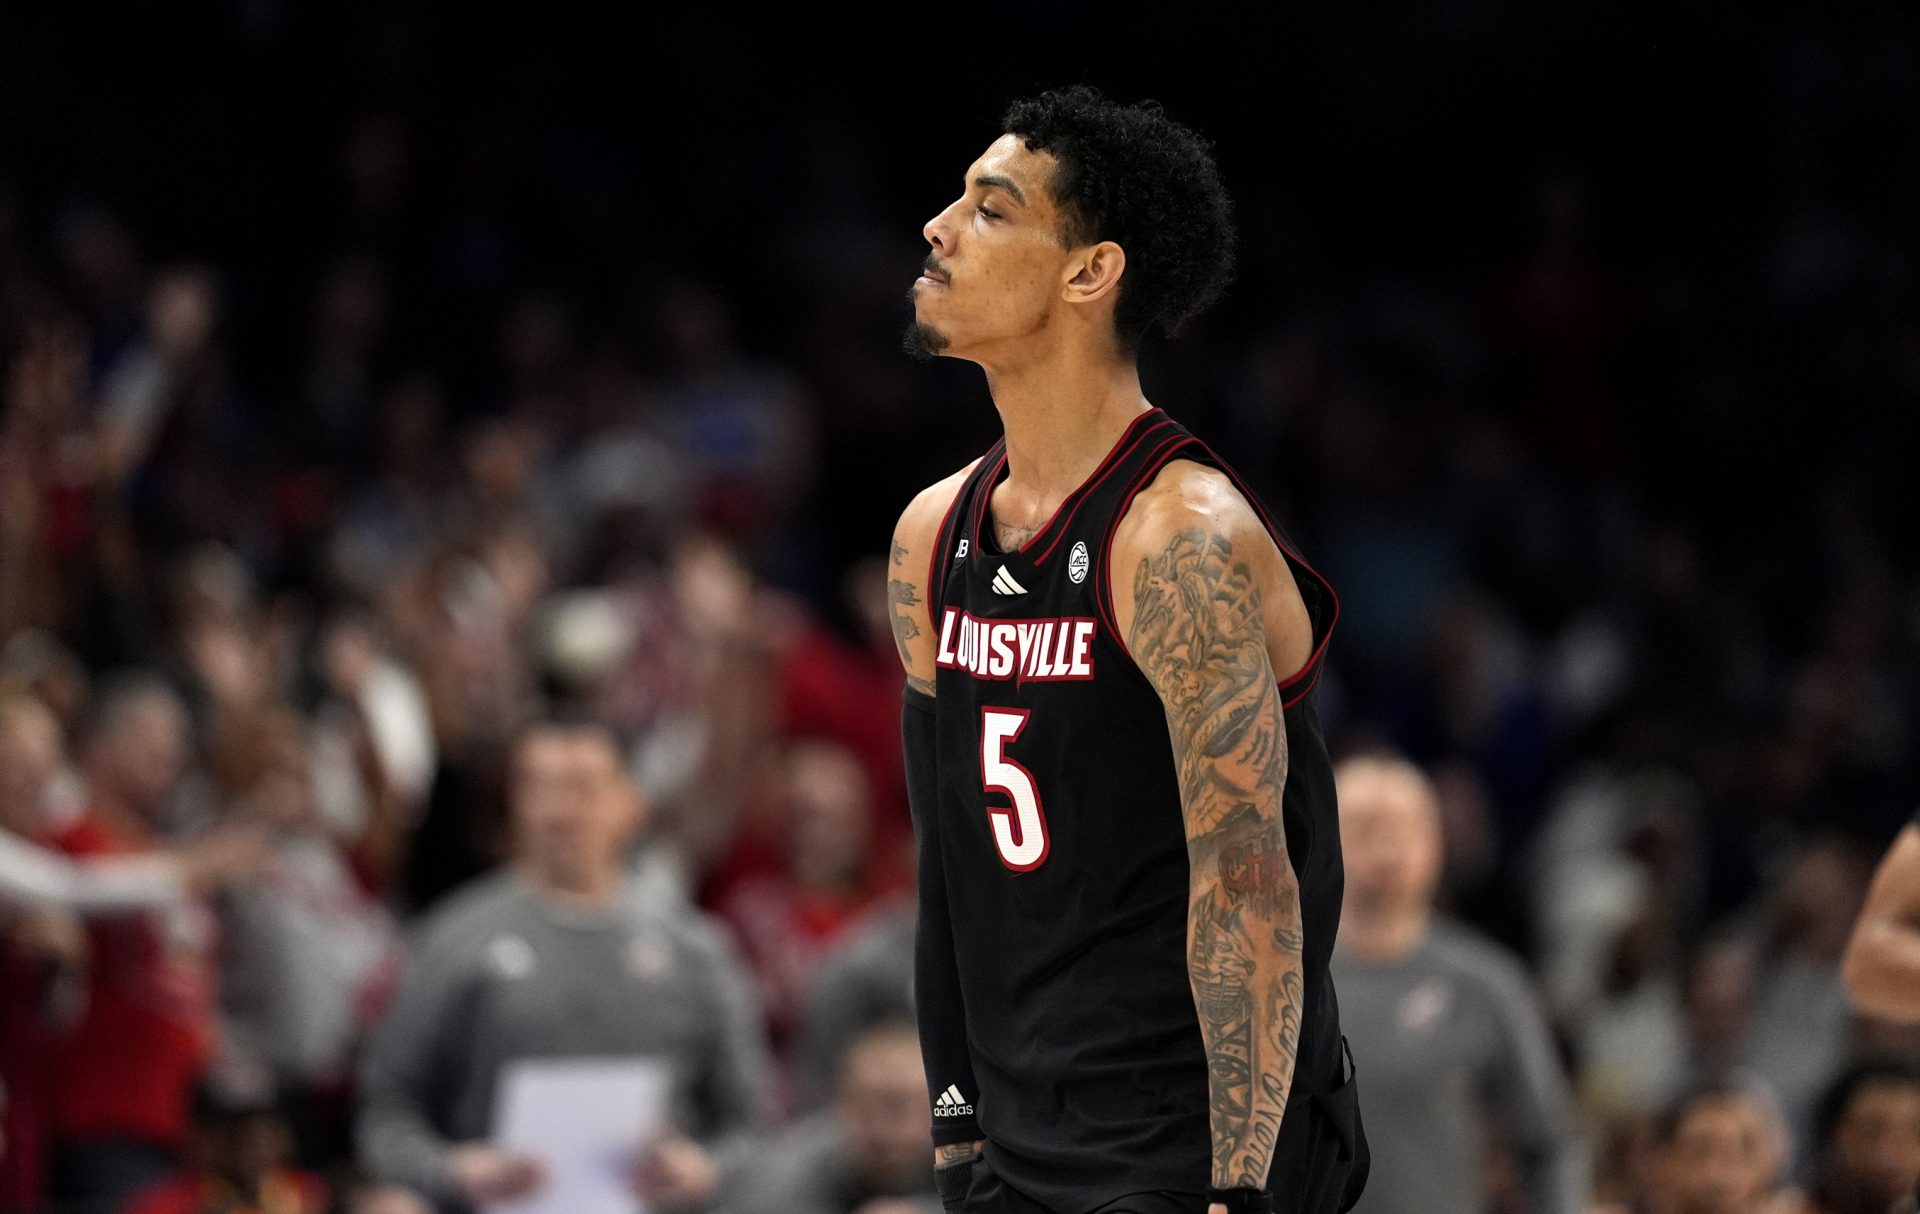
point(1041, 543)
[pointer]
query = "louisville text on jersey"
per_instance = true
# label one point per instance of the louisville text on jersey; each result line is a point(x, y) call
point(1017, 649)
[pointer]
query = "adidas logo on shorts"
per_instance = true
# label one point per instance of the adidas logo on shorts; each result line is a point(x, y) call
point(952, 1104)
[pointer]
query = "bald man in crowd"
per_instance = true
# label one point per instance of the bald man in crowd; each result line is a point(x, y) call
point(1449, 1028)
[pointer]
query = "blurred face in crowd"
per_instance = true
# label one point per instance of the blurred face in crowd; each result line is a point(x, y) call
point(1389, 836)
point(883, 1109)
point(1872, 1158)
point(242, 1149)
point(140, 752)
point(1722, 1158)
point(574, 807)
point(1719, 996)
point(828, 816)
point(998, 271)
point(281, 791)
point(30, 757)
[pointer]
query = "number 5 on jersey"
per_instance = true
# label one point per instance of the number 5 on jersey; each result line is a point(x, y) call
point(1019, 832)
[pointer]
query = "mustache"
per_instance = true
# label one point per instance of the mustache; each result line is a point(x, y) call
point(932, 268)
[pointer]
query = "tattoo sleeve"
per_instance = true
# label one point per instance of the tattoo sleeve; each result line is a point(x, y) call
point(1197, 634)
point(903, 609)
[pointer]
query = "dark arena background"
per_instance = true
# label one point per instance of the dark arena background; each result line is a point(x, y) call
point(378, 374)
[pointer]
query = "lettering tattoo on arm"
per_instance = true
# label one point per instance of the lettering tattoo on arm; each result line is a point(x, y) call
point(903, 603)
point(1198, 635)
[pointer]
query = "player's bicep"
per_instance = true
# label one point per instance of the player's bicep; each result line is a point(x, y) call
point(910, 566)
point(1197, 632)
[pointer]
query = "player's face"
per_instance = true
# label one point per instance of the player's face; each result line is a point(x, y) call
point(997, 265)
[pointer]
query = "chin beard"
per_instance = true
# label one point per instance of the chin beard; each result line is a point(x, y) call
point(923, 341)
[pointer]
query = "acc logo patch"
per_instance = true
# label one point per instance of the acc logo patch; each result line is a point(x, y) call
point(1077, 562)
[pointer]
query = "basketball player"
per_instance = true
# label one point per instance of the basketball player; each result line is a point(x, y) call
point(1129, 854)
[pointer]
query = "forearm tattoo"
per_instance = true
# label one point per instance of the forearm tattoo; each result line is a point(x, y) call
point(903, 609)
point(1198, 636)
point(954, 1153)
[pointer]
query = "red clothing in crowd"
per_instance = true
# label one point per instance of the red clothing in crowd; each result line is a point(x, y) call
point(786, 933)
point(851, 695)
point(283, 1193)
point(128, 1067)
point(27, 1040)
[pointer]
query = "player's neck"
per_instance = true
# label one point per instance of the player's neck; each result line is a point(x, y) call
point(1061, 416)
point(1384, 938)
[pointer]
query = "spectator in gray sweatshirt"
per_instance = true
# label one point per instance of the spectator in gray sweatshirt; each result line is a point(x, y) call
point(560, 956)
point(866, 1154)
point(1447, 1033)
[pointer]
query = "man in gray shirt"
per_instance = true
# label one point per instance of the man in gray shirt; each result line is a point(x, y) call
point(866, 1154)
point(1446, 1028)
point(560, 956)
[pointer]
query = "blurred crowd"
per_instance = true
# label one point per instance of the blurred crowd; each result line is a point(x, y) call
point(444, 624)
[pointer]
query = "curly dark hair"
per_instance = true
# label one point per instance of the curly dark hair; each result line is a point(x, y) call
point(1132, 175)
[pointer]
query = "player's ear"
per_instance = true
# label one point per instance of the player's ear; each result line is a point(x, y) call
point(1093, 273)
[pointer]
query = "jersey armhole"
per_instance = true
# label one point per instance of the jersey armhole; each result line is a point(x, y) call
point(1295, 687)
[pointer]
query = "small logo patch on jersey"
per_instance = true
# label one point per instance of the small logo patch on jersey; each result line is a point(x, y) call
point(1003, 583)
point(1077, 562)
point(952, 1104)
point(962, 553)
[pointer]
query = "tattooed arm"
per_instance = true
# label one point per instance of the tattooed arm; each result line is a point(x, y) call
point(1206, 604)
point(936, 980)
point(907, 562)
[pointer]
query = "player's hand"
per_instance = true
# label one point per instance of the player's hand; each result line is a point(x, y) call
point(675, 1171)
point(486, 1174)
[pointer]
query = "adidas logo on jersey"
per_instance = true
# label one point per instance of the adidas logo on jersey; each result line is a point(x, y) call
point(1003, 583)
point(952, 1104)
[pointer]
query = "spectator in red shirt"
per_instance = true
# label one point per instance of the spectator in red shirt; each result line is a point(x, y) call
point(237, 1156)
point(124, 1075)
point(790, 899)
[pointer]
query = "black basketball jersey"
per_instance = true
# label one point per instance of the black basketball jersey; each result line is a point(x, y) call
point(1063, 849)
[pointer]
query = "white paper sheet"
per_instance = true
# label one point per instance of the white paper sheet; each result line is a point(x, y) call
point(585, 1119)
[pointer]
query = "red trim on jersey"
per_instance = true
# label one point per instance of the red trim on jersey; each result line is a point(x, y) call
point(1103, 588)
point(986, 492)
point(1129, 439)
point(1319, 650)
point(1099, 474)
point(1310, 670)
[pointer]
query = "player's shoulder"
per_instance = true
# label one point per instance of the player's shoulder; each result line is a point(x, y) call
point(920, 522)
point(1189, 501)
